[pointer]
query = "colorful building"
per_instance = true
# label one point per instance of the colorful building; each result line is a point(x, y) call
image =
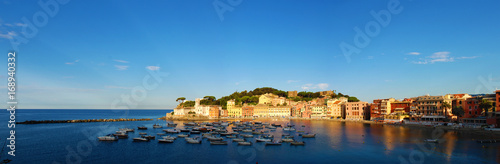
point(247, 111)
point(497, 108)
point(261, 110)
point(233, 109)
point(432, 105)
point(280, 111)
point(318, 111)
point(224, 113)
point(471, 107)
point(214, 111)
point(356, 110)
point(401, 106)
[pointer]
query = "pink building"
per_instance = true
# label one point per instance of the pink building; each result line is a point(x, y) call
point(356, 110)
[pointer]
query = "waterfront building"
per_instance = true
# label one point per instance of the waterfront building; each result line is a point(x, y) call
point(234, 110)
point(292, 93)
point(247, 111)
point(280, 111)
point(385, 106)
point(318, 111)
point(375, 113)
point(432, 105)
point(224, 113)
point(261, 110)
point(306, 111)
point(214, 111)
point(401, 106)
point(355, 110)
point(334, 107)
point(203, 110)
point(471, 107)
point(497, 108)
point(181, 111)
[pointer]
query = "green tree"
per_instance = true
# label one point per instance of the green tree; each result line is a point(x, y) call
point(485, 105)
point(180, 99)
point(445, 105)
point(352, 99)
point(458, 111)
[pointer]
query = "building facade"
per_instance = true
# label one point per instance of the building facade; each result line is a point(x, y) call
point(280, 111)
point(292, 93)
point(261, 110)
point(318, 111)
point(356, 110)
point(214, 111)
point(247, 111)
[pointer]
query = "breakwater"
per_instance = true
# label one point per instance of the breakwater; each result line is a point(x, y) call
point(83, 121)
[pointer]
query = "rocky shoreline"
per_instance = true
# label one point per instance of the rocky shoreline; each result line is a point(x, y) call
point(83, 121)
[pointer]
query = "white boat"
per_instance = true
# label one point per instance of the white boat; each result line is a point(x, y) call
point(183, 135)
point(238, 140)
point(247, 131)
point(165, 141)
point(218, 142)
point(171, 131)
point(262, 140)
point(289, 129)
point(107, 138)
point(157, 126)
point(215, 138)
point(171, 125)
point(127, 129)
point(231, 136)
point(169, 137)
point(287, 140)
point(140, 139)
point(195, 140)
point(247, 135)
point(245, 143)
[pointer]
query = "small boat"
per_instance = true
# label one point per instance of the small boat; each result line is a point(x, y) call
point(140, 139)
point(247, 135)
point(245, 143)
point(169, 137)
point(289, 129)
point(231, 136)
point(155, 126)
point(183, 135)
point(127, 129)
point(258, 122)
point(171, 131)
point(276, 125)
point(298, 143)
point(215, 138)
point(190, 124)
point(171, 125)
point(218, 142)
point(287, 140)
point(195, 132)
point(273, 143)
point(247, 131)
point(142, 133)
point(160, 134)
point(142, 128)
point(257, 132)
point(165, 141)
point(238, 140)
point(194, 141)
point(108, 137)
point(268, 136)
point(270, 127)
point(225, 134)
point(300, 131)
point(431, 140)
point(149, 137)
point(121, 135)
point(308, 135)
point(262, 140)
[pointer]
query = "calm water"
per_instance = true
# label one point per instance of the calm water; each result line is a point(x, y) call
point(336, 142)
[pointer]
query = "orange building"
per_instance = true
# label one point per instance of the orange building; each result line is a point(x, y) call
point(224, 113)
point(214, 112)
point(401, 106)
point(471, 108)
point(247, 111)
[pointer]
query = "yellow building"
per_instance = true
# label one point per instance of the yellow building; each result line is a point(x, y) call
point(318, 111)
point(279, 111)
point(267, 98)
point(261, 110)
point(233, 110)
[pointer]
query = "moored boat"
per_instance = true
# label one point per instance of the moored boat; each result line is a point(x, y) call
point(165, 141)
point(275, 143)
point(171, 131)
point(149, 137)
point(431, 140)
point(140, 139)
point(247, 135)
point(155, 126)
point(262, 140)
point(127, 129)
point(108, 137)
point(183, 135)
point(169, 137)
point(308, 135)
point(218, 142)
point(238, 140)
point(142, 128)
point(245, 143)
point(211, 138)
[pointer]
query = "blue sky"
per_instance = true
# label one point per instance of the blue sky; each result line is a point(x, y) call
point(90, 54)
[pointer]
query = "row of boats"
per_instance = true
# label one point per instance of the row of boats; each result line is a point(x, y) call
point(215, 133)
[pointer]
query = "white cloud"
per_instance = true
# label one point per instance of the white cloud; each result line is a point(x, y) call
point(322, 85)
point(414, 53)
point(153, 68)
point(317, 86)
point(468, 57)
point(121, 67)
point(292, 81)
point(443, 56)
point(69, 63)
point(121, 61)
point(9, 35)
